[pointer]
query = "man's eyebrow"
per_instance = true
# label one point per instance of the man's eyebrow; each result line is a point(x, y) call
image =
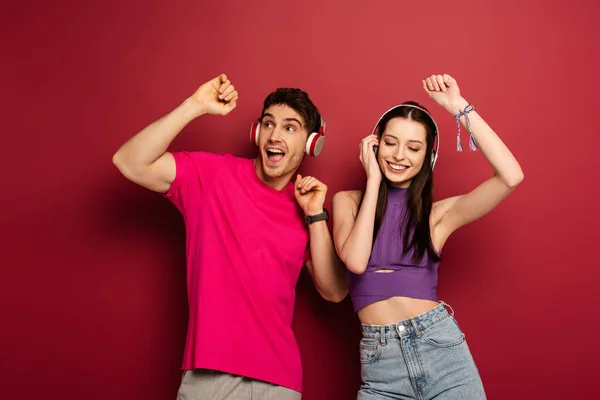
point(293, 119)
point(290, 119)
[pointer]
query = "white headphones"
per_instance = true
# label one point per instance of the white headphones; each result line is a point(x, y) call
point(436, 136)
point(314, 144)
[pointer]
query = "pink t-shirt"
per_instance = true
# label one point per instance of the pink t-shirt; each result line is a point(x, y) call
point(245, 246)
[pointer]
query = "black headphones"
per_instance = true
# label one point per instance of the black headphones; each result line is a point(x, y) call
point(436, 136)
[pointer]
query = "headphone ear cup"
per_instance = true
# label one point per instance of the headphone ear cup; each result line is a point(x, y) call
point(314, 144)
point(254, 131)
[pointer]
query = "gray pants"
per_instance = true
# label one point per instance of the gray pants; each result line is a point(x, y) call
point(201, 384)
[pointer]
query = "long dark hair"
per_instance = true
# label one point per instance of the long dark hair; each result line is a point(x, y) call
point(417, 235)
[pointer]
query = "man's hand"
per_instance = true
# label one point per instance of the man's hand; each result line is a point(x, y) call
point(217, 96)
point(310, 194)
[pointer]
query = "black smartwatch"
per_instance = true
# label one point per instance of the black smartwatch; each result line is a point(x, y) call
point(324, 216)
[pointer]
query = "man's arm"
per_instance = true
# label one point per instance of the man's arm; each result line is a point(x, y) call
point(328, 273)
point(144, 159)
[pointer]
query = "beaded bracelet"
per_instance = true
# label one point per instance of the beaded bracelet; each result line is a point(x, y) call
point(472, 144)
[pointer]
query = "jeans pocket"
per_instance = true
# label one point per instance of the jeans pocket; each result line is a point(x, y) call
point(370, 350)
point(444, 333)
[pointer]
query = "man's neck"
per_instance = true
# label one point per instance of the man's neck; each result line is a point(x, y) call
point(278, 183)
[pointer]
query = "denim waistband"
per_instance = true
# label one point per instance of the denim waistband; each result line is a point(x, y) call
point(412, 326)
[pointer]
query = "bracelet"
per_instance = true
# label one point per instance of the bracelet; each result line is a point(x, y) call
point(472, 144)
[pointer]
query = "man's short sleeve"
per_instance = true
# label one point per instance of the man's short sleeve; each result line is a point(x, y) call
point(195, 172)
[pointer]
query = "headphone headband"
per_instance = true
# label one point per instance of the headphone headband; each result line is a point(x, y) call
point(436, 136)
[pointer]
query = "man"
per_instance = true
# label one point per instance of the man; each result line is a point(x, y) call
point(247, 238)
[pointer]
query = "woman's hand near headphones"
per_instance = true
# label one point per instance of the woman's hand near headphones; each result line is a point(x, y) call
point(444, 90)
point(368, 158)
point(217, 96)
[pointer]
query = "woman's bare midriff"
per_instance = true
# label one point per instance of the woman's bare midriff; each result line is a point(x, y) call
point(394, 309)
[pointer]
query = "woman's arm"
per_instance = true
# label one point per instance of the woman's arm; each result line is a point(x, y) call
point(454, 212)
point(353, 228)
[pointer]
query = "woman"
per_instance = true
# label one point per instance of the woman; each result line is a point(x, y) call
point(390, 237)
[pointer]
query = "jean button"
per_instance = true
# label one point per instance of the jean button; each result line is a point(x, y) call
point(401, 328)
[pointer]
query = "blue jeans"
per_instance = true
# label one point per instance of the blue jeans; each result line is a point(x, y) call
point(422, 358)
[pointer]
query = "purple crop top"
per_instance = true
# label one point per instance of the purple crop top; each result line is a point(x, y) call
point(409, 279)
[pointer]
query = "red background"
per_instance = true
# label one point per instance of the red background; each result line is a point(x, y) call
point(93, 283)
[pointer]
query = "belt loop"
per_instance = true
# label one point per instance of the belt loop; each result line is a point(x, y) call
point(382, 338)
point(414, 325)
point(450, 307)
